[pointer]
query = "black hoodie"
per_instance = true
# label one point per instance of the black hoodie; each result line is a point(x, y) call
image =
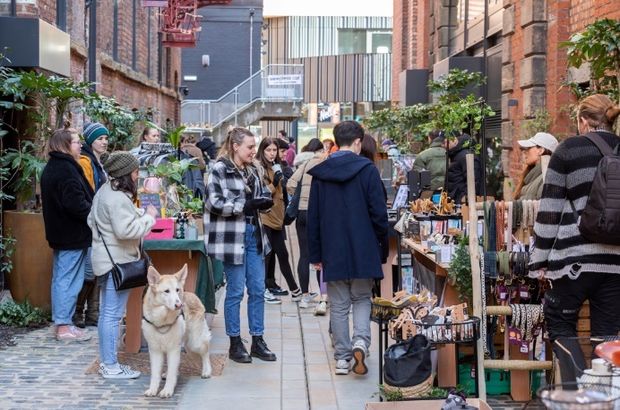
point(347, 218)
point(457, 171)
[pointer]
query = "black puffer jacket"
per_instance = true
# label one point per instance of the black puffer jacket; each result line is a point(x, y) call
point(66, 197)
point(457, 171)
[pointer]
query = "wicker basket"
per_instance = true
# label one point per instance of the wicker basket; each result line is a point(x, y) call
point(412, 392)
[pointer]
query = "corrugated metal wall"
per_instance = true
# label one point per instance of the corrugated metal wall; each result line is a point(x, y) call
point(313, 42)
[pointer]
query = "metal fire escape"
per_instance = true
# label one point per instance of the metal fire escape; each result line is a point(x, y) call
point(273, 93)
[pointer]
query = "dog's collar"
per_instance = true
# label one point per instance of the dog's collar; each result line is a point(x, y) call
point(168, 327)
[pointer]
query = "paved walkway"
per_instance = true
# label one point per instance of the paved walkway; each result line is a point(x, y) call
point(45, 374)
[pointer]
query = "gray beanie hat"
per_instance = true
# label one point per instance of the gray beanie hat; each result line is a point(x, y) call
point(119, 163)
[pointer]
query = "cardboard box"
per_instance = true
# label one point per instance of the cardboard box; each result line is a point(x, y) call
point(421, 405)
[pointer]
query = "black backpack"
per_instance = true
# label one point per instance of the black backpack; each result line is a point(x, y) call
point(599, 221)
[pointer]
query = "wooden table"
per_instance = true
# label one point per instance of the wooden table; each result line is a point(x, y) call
point(446, 355)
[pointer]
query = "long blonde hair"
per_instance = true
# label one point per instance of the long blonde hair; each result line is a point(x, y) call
point(234, 136)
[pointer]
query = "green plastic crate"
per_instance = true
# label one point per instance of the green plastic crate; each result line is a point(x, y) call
point(497, 381)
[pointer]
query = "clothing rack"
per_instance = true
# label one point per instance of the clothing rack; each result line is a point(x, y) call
point(519, 368)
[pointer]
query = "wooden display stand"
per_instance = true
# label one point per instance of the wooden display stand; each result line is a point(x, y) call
point(166, 262)
point(446, 355)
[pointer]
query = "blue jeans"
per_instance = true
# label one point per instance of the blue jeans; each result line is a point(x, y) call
point(67, 281)
point(88, 267)
point(111, 310)
point(252, 275)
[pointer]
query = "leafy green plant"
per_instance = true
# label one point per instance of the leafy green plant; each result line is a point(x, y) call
point(459, 271)
point(121, 122)
point(541, 122)
point(22, 314)
point(397, 395)
point(24, 168)
point(172, 171)
point(599, 46)
point(451, 112)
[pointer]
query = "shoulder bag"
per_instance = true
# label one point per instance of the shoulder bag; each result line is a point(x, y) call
point(131, 274)
point(292, 209)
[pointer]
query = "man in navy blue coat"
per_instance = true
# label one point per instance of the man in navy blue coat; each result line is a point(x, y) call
point(348, 240)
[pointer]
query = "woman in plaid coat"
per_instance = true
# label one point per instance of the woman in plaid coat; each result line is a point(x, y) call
point(234, 234)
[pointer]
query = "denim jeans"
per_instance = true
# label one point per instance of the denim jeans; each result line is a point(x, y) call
point(111, 310)
point(252, 275)
point(67, 281)
point(342, 294)
point(88, 267)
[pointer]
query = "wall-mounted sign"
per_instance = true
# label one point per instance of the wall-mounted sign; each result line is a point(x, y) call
point(285, 79)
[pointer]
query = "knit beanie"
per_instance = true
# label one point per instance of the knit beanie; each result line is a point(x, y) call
point(93, 131)
point(119, 163)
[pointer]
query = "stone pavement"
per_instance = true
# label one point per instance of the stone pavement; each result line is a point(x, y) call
point(45, 374)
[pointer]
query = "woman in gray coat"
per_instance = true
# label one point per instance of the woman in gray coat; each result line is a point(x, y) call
point(115, 219)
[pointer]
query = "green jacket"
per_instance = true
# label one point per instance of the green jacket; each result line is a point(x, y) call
point(533, 183)
point(433, 159)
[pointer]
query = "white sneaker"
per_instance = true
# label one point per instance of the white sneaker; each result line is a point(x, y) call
point(360, 352)
point(118, 371)
point(272, 300)
point(303, 303)
point(343, 367)
point(296, 295)
point(321, 309)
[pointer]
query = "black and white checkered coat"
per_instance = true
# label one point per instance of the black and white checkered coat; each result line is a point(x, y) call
point(224, 219)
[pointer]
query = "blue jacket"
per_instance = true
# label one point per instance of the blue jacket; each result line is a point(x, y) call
point(347, 218)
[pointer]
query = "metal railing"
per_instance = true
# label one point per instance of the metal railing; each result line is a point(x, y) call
point(273, 83)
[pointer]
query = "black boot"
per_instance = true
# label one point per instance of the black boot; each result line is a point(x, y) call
point(91, 317)
point(259, 349)
point(78, 316)
point(237, 351)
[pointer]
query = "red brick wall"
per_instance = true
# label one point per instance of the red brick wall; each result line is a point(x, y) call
point(405, 34)
point(132, 88)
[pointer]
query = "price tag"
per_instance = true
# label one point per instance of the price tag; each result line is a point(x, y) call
point(514, 336)
point(502, 293)
point(525, 347)
point(524, 292)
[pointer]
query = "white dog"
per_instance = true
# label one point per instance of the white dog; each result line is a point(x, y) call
point(172, 318)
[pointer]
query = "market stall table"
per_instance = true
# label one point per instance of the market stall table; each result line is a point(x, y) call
point(446, 355)
point(168, 256)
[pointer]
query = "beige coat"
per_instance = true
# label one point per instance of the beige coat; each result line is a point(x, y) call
point(302, 171)
point(275, 218)
point(122, 225)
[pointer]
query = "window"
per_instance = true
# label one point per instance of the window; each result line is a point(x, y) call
point(351, 41)
point(359, 41)
point(381, 42)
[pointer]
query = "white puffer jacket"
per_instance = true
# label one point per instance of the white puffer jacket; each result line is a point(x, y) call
point(122, 226)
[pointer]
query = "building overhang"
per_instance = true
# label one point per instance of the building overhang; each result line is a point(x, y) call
point(34, 43)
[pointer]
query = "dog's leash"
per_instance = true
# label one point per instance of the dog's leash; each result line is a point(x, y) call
point(167, 326)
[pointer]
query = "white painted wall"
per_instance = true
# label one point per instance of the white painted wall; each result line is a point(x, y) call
point(274, 8)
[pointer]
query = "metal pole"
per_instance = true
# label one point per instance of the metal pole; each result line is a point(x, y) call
point(251, 52)
point(483, 134)
point(251, 41)
point(92, 45)
point(13, 8)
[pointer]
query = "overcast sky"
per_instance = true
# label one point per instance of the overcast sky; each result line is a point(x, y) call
point(327, 8)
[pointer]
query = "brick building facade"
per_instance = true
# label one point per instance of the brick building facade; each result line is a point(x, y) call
point(533, 66)
point(132, 66)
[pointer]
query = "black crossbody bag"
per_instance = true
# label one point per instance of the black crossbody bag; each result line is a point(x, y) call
point(131, 274)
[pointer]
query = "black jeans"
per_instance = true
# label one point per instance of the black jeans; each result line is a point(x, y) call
point(562, 304)
point(278, 247)
point(303, 266)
